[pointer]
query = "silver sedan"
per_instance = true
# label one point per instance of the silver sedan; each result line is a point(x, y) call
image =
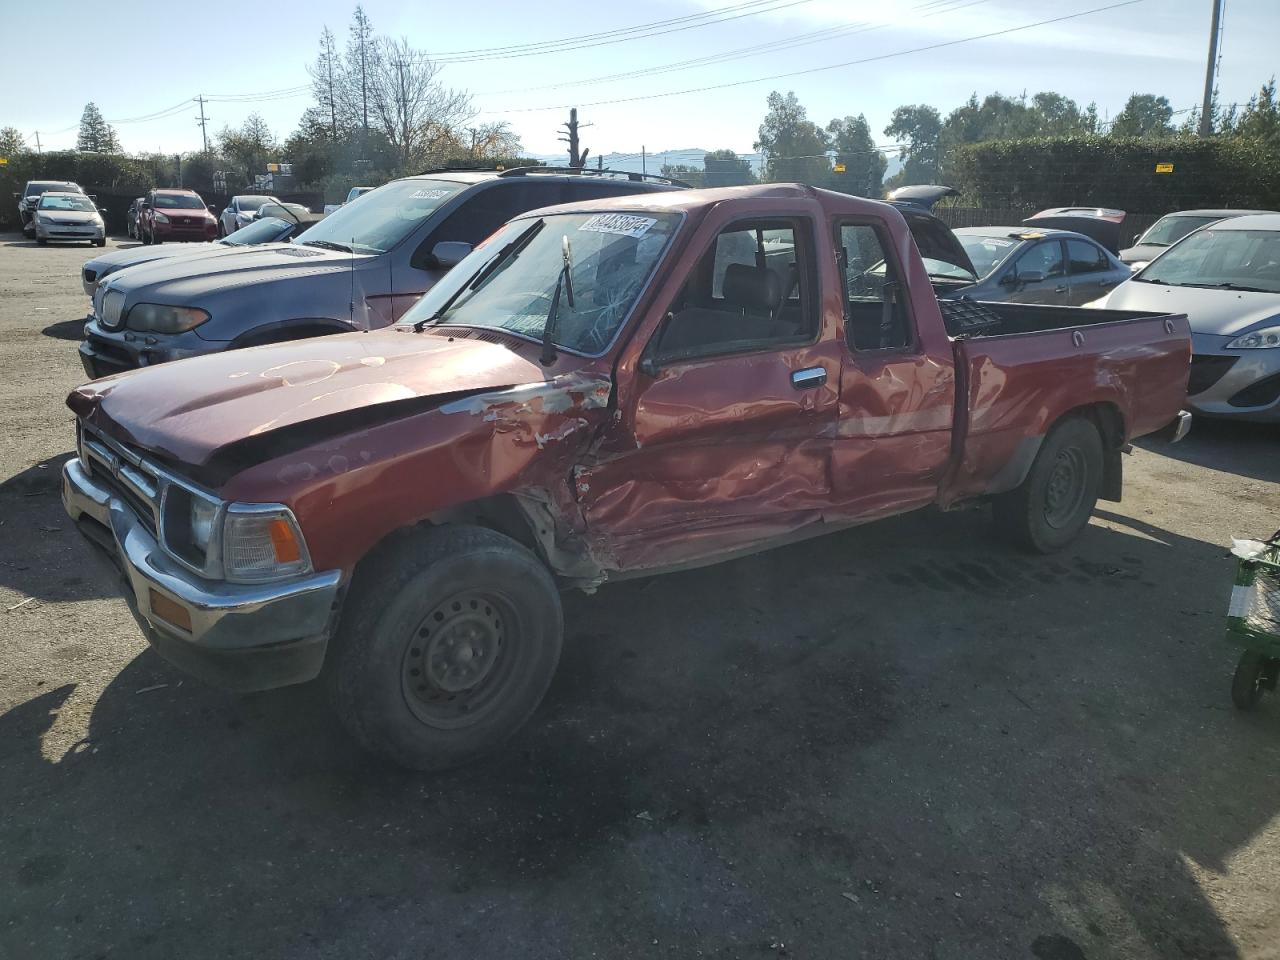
point(1226, 279)
point(69, 216)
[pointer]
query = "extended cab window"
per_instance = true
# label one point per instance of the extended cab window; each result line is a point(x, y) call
point(874, 307)
point(754, 287)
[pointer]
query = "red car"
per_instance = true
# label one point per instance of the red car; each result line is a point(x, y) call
point(174, 214)
point(601, 390)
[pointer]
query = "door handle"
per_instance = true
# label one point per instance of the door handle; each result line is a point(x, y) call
point(808, 378)
point(1061, 289)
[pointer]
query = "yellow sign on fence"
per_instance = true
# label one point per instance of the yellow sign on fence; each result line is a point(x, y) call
point(1164, 168)
point(4, 161)
point(273, 168)
point(838, 168)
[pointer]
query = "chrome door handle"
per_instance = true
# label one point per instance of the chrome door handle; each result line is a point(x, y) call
point(1061, 289)
point(808, 378)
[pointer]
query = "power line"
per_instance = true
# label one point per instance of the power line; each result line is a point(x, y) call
point(833, 66)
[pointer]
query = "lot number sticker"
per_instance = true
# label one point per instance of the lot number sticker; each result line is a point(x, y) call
point(428, 194)
point(622, 224)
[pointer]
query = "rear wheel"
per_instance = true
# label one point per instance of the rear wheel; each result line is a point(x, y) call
point(1055, 501)
point(448, 643)
point(42, 241)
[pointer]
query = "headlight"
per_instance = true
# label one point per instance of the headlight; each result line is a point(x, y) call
point(43, 219)
point(188, 523)
point(161, 218)
point(1263, 339)
point(262, 542)
point(161, 318)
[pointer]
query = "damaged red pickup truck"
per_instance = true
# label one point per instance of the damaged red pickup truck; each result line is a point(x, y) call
point(600, 390)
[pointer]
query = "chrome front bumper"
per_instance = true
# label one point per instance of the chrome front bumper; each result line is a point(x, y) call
point(241, 636)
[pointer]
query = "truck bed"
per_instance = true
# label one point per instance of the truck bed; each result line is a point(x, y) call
point(972, 318)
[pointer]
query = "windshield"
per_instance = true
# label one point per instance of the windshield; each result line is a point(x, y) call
point(260, 231)
point(252, 203)
point(1232, 259)
point(613, 255)
point(1167, 231)
point(383, 217)
point(178, 201)
point(987, 252)
point(54, 202)
point(35, 189)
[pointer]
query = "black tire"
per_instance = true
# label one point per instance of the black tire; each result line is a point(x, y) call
point(1251, 676)
point(146, 242)
point(1055, 501)
point(100, 243)
point(41, 241)
point(447, 644)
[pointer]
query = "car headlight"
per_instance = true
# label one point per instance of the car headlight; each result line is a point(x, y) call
point(188, 521)
point(162, 318)
point(262, 542)
point(43, 219)
point(161, 218)
point(1266, 338)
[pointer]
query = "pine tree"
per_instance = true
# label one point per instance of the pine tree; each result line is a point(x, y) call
point(96, 135)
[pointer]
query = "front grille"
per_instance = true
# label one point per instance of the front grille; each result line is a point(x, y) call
point(90, 275)
point(1206, 371)
point(112, 309)
point(127, 474)
point(1260, 394)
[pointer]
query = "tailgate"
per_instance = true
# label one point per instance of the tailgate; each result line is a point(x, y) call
point(1018, 385)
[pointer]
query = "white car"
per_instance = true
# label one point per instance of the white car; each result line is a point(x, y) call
point(68, 216)
point(240, 213)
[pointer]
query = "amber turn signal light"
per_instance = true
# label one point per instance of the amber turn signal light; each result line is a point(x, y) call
point(284, 542)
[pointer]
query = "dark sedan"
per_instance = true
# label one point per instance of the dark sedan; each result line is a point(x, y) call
point(1023, 265)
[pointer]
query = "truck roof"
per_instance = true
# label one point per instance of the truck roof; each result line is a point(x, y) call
point(690, 200)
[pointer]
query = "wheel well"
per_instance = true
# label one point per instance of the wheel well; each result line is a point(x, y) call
point(1109, 421)
point(281, 333)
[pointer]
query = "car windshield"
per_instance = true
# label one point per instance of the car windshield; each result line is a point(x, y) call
point(260, 231)
point(987, 252)
point(383, 217)
point(35, 189)
point(54, 202)
point(177, 201)
point(1167, 231)
point(509, 282)
point(1231, 259)
point(252, 203)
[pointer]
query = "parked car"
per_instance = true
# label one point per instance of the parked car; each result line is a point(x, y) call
point(1171, 228)
point(1098, 223)
point(406, 234)
point(266, 230)
point(601, 390)
point(131, 218)
point(239, 212)
point(356, 192)
point(280, 210)
point(1021, 265)
point(68, 216)
point(175, 214)
point(1226, 279)
point(30, 197)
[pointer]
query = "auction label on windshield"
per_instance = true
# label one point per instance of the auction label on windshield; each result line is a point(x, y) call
point(622, 224)
point(429, 194)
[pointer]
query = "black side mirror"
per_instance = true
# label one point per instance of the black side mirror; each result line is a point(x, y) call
point(1030, 276)
point(450, 253)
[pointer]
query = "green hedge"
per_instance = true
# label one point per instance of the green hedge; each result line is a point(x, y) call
point(97, 173)
point(1118, 172)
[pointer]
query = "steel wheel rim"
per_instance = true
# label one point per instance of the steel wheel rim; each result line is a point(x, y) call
point(1064, 492)
point(459, 658)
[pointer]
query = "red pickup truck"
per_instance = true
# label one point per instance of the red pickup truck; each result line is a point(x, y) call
point(600, 390)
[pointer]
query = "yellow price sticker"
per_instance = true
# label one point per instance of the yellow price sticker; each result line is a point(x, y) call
point(1164, 168)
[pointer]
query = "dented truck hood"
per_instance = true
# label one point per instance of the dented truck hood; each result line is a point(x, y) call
point(186, 412)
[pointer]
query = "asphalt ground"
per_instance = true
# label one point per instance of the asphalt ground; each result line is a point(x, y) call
point(904, 740)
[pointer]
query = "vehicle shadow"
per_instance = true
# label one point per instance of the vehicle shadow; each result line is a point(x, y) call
point(1246, 449)
point(41, 553)
point(66, 329)
point(903, 740)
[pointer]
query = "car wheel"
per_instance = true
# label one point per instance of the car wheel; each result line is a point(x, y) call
point(100, 243)
point(1055, 501)
point(448, 643)
point(41, 241)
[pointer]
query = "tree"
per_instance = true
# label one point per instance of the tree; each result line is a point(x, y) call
point(721, 168)
point(418, 114)
point(682, 171)
point(96, 135)
point(917, 128)
point(326, 76)
point(12, 143)
point(1144, 115)
point(793, 146)
point(864, 164)
point(1260, 118)
point(362, 56)
point(493, 141)
point(248, 148)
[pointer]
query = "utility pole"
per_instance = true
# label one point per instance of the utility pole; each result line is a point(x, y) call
point(644, 160)
point(38, 150)
point(576, 158)
point(1210, 71)
point(204, 132)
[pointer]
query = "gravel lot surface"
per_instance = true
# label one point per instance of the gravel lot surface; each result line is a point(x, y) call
point(900, 741)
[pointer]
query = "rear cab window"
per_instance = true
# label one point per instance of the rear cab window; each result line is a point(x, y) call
point(875, 310)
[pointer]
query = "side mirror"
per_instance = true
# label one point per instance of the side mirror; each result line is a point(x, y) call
point(450, 253)
point(1030, 276)
point(1137, 238)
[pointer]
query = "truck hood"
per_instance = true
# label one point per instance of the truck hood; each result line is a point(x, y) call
point(189, 280)
point(189, 410)
point(1224, 313)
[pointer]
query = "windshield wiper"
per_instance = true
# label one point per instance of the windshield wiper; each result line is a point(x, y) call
point(564, 282)
point(508, 253)
point(327, 245)
point(1227, 285)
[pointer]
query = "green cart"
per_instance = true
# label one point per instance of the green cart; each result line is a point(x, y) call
point(1253, 620)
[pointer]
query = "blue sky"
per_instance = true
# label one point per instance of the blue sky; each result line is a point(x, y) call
point(146, 57)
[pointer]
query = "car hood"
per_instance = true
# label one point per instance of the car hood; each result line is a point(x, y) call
point(1225, 313)
point(69, 216)
point(1142, 253)
point(193, 279)
point(119, 259)
point(188, 410)
point(183, 212)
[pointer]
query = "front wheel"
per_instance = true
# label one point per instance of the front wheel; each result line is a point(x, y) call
point(1254, 673)
point(448, 643)
point(41, 241)
point(1055, 501)
point(100, 243)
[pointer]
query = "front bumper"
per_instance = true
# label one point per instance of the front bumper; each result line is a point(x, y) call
point(57, 231)
point(1235, 384)
point(242, 636)
point(176, 231)
point(104, 352)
